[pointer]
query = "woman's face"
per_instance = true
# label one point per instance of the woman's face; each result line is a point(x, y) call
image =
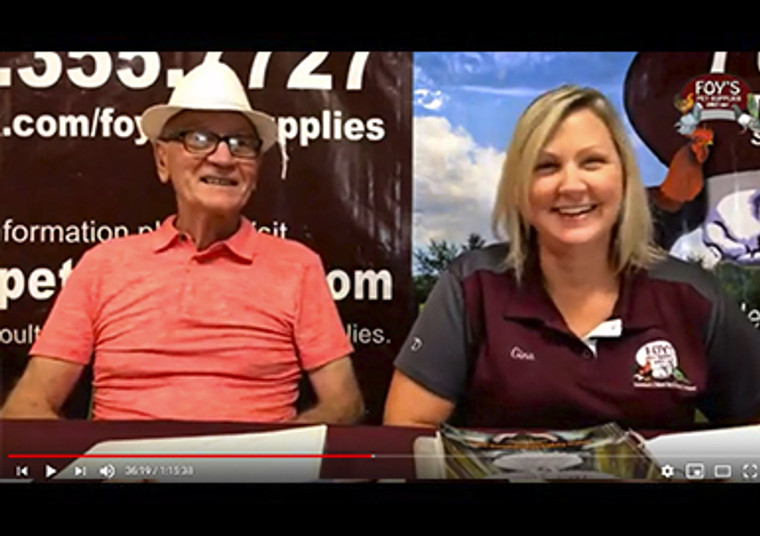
point(577, 187)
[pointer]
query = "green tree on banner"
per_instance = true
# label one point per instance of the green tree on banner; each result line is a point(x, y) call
point(431, 261)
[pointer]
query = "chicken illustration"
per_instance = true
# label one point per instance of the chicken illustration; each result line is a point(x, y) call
point(685, 104)
point(746, 120)
point(692, 115)
point(684, 179)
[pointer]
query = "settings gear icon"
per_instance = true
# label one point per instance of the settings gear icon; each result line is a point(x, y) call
point(667, 471)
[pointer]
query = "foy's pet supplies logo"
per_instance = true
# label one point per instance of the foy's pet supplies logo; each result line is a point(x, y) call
point(657, 367)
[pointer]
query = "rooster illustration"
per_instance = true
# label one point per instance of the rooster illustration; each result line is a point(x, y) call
point(684, 105)
point(684, 180)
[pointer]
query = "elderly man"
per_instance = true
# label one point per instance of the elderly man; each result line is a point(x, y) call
point(203, 319)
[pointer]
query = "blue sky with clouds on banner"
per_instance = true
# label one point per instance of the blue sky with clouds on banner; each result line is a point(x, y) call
point(466, 105)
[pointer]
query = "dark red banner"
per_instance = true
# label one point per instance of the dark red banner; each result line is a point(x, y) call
point(76, 170)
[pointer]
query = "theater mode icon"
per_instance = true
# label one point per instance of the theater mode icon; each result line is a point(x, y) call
point(722, 471)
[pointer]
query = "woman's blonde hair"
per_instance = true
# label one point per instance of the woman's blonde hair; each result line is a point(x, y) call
point(632, 242)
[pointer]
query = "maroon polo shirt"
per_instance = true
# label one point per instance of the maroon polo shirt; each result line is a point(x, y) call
point(504, 354)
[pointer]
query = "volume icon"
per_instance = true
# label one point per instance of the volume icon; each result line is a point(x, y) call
point(108, 471)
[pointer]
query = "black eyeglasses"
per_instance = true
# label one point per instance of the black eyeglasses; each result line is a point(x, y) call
point(203, 142)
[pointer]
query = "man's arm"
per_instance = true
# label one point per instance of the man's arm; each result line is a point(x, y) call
point(339, 400)
point(42, 389)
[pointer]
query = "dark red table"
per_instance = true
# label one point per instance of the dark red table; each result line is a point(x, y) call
point(392, 447)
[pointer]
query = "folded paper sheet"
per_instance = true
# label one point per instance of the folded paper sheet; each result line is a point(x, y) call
point(723, 454)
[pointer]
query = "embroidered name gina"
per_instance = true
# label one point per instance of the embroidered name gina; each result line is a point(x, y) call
point(519, 353)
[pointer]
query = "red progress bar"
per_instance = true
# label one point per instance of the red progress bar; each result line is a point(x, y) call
point(353, 456)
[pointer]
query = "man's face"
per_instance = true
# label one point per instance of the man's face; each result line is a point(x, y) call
point(217, 183)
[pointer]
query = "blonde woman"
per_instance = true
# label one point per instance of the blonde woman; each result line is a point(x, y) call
point(579, 319)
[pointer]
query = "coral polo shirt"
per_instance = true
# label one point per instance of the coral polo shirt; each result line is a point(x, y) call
point(177, 333)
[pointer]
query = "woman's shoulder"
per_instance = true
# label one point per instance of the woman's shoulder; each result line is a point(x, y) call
point(673, 269)
point(491, 258)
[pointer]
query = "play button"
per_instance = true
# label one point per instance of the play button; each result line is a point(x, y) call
point(50, 471)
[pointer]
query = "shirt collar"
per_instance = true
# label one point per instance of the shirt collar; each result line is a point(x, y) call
point(242, 244)
point(165, 235)
point(635, 306)
point(532, 302)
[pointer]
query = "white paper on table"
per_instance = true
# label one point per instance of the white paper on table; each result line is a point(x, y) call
point(737, 447)
point(429, 459)
point(307, 440)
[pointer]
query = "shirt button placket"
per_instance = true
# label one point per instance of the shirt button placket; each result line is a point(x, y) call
point(187, 276)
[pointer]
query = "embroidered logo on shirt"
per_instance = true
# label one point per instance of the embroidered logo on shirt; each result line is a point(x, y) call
point(519, 353)
point(416, 344)
point(657, 367)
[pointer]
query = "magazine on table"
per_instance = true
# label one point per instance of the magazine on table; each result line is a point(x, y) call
point(598, 453)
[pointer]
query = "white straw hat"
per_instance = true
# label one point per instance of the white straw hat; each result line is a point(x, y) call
point(211, 86)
